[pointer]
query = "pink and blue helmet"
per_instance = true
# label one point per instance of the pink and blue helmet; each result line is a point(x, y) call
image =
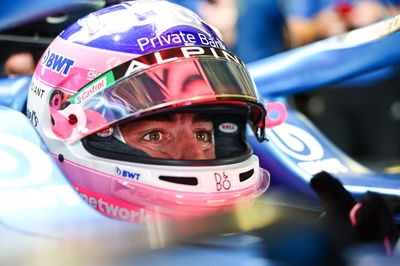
point(134, 60)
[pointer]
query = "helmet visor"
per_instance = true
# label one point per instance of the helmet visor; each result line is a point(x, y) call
point(159, 81)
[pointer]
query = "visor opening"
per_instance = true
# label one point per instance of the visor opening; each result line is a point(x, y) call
point(229, 135)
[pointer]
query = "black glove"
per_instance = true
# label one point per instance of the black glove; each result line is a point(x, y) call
point(370, 220)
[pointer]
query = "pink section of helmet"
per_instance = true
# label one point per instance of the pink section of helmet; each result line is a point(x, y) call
point(69, 66)
point(171, 204)
point(115, 208)
point(73, 120)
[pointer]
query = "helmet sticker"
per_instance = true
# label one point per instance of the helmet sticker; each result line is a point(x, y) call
point(36, 90)
point(140, 63)
point(126, 173)
point(228, 128)
point(105, 132)
point(57, 63)
point(92, 88)
point(180, 38)
point(32, 116)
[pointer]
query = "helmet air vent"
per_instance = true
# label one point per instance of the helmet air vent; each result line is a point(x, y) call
point(246, 175)
point(191, 181)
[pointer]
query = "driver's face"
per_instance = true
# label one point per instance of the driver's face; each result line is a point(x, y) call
point(176, 136)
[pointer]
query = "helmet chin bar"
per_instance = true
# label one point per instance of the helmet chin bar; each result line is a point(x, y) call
point(174, 191)
point(172, 202)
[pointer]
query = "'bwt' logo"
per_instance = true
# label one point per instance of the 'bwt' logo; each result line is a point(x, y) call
point(57, 63)
point(126, 173)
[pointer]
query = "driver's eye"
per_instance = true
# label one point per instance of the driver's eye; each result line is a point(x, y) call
point(203, 136)
point(153, 136)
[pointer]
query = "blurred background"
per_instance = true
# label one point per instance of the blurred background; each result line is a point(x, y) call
point(361, 115)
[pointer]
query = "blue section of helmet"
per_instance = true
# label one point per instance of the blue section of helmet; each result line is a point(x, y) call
point(146, 41)
point(71, 30)
point(141, 31)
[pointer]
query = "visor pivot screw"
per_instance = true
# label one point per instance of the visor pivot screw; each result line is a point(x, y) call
point(61, 158)
point(72, 119)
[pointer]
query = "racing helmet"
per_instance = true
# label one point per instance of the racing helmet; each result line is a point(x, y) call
point(135, 61)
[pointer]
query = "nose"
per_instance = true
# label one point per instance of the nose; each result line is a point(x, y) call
point(187, 147)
